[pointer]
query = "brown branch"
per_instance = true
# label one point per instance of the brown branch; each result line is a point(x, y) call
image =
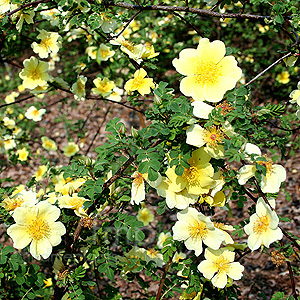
point(162, 281)
point(126, 25)
point(200, 12)
point(268, 68)
point(97, 132)
point(112, 101)
point(17, 101)
point(34, 3)
point(187, 22)
point(106, 185)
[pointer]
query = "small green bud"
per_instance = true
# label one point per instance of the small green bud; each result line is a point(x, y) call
point(134, 132)
point(157, 99)
point(122, 129)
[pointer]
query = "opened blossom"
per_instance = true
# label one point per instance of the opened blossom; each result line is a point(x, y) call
point(49, 43)
point(263, 228)
point(180, 200)
point(196, 179)
point(212, 138)
point(103, 87)
point(194, 228)
point(209, 73)
point(270, 182)
point(36, 225)
point(140, 83)
point(219, 265)
point(70, 149)
point(34, 114)
point(48, 144)
point(34, 73)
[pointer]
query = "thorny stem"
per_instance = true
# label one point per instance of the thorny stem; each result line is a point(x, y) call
point(200, 12)
point(268, 68)
point(162, 281)
point(107, 183)
point(294, 293)
point(17, 101)
point(126, 25)
point(34, 3)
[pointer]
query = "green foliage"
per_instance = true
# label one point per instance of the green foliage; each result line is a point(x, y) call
point(104, 208)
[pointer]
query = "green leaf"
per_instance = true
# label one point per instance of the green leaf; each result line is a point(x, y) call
point(152, 174)
point(103, 268)
point(139, 235)
point(7, 249)
point(110, 274)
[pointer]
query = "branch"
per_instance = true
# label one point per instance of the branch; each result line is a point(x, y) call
point(34, 3)
point(126, 25)
point(106, 185)
point(162, 281)
point(17, 101)
point(97, 132)
point(268, 68)
point(200, 12)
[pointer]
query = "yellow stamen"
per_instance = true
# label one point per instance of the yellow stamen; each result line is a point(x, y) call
point(198, 230)
point(207, 73)
point(261, 224)
point(192, 175)
point(38, 229)
point(222, 264)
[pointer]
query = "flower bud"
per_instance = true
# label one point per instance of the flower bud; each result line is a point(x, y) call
point(157, 100)
point(122, 129)
point(134, 132)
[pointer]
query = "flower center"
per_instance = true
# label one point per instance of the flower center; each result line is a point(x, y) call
point(225, 108)
point(38, 229)
point(46, 43)
point(198, 230)
point(261, 225)
point(105, 53)
point(268, 164)
point(138, 178)
point(48, 144)
point(152, 253)
point(222, 264)
point(128, 45)
point(207, 73)
point(77, 202)
point(35, 75)
point(192, 175)
point(137, 82)
point(213, 137)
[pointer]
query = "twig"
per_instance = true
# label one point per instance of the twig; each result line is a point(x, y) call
point(112, 101)
point(126, 25)
point(200, 12)
point(17, 101)
point(187, 22)
point(34, 3)
point(97, 132)
point(268, 68)
point(162, 281)
point(107, 183)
